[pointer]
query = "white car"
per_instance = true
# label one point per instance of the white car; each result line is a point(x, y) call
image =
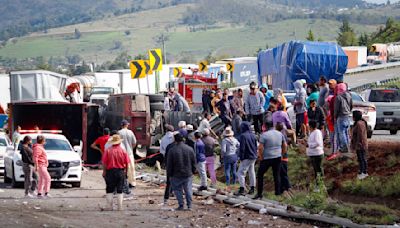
point(65, 164)
point(4, 144)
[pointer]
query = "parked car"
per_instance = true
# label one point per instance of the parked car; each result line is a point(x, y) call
point(4, 143)
point(387, 102)
point(65, 164)
point(368, 110)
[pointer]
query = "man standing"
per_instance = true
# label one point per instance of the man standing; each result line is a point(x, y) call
point(200, 150)
point(181, 104)
point(167, 139)
point(300, 109)
point(323, 92)
point(224, 106)
point(205, 124)
point(16, 135)
point(129, 141)
point(101, 141)
point(272, 145)
point(254, 107)
point(115, 165)
point(247, 156)
point(342, 112)
point(181, 164)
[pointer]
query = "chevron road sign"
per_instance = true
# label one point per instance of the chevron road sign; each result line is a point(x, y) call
point(155, 57)
point(147, 68)
point(230, 67)
point(203, 66)
point(177, 71)
point(138, 69)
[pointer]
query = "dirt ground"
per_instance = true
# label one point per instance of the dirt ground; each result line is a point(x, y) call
point(73, 207)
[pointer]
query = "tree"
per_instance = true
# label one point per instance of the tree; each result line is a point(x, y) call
point(363, 40)
point(390, 23)
point(346, 36)
point(310, 36)
point(77, 34)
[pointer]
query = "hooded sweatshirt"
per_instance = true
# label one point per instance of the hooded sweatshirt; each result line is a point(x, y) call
point(248, 143)
point(40, 156)
point(229, 149)
point(300, 97)
point(267, 95)
point(343, 102)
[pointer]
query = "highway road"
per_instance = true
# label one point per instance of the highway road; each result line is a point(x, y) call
point(354, 80)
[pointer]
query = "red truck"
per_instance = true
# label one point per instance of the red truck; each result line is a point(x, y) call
point(77, 121)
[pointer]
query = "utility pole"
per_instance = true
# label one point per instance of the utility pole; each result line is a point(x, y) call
point(164, 38)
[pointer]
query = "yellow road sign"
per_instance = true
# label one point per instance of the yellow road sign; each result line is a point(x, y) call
point(147, 68)
point(177, 71)
point(155, 57)
point(230, 67)
point(203, 66)
point(138, 69)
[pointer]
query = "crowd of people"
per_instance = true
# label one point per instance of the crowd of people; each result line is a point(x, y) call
point(322, 112)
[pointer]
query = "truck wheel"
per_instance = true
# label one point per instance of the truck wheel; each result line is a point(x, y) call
point(393, 131)
point(156, 98)
point(7, 180)
point(157, 106)
point(76, 184)
point(369, 134)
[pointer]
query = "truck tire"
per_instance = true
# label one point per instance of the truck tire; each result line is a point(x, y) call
point(156, 98)
point(393, 131)
point(369, 134)
point(7, 180)
point(158, 106)
point(76, 184)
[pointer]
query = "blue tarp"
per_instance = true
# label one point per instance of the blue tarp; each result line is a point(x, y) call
point(302, 60)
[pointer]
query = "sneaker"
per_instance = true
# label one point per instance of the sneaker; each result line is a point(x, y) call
point(251, 191)
point(257, 197)
point(362, 176)
point(40, 196)
point(202, 188)
point(179, 209)
point(48, 196)
point(188, 209)
point(240, 192)
point(29, 196)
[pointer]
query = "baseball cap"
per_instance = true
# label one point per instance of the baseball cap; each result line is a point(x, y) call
point(124, 122)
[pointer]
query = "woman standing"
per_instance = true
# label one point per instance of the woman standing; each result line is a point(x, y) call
point(41, 164)
point(28, 166)
point(229, 150)
point(359, 142)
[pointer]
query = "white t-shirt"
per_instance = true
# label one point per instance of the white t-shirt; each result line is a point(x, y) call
point(315, 143)
point(204, 124)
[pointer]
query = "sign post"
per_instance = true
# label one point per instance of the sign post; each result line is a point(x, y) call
point(156, 60)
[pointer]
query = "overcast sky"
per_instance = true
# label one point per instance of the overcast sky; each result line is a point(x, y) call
point(380, 1)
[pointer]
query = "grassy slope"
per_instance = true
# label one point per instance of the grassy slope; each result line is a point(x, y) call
point(99, 37)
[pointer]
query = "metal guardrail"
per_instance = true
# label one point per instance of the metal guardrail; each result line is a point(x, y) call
point(371, 68)
point(373, 84)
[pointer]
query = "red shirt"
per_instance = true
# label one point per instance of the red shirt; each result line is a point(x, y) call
point(101, 141)
point(115, 158)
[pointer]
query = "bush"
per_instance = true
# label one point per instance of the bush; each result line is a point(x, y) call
point(374, 186)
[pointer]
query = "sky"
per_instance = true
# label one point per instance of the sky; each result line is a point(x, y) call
point(381, 1)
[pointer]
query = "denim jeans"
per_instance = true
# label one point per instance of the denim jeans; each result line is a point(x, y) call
point(362, 161)
point(201, 168)
point(182, 183)
point(230, 168)
point(285, 183)
point(247, 165)
point(343, 125)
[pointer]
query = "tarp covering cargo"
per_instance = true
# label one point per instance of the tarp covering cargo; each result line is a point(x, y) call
point(302, 60)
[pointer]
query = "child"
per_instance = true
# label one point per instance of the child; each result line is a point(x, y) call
point(285, 183)
point(229, 150)
point(317, 114)
point(315, 149)
point(359, 142)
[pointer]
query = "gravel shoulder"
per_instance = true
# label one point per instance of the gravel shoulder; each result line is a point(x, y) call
point(71, 207)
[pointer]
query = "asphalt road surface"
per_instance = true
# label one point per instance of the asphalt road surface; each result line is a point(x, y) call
point(354, 80)
point(81, 207)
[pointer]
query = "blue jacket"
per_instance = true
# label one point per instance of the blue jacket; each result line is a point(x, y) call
point(200, 149)
point(248, 142)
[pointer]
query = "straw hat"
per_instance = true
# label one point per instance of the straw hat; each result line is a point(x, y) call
point(228, 132)
point(115, 140)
